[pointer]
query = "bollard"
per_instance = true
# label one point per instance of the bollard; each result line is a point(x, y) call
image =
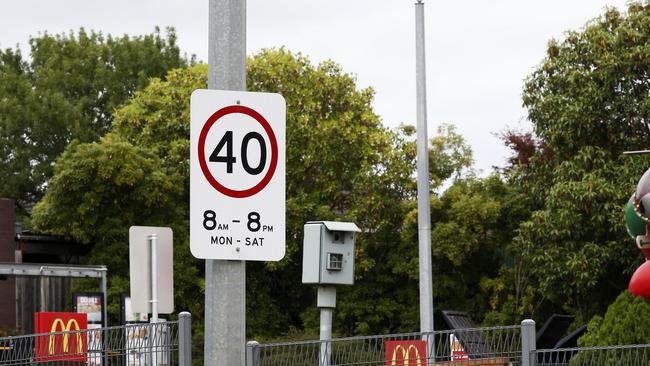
point(185, 339)
point(252, 353)
point(528, 342)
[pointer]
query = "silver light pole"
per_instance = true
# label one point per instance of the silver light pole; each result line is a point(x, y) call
point(225, 281)
point(424, 215)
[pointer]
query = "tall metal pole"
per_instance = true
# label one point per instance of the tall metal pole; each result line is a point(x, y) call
point(154, 278)
point(424, 215)
point(154, 337)
point(326, 315)
point(225, 281)
point(104, 286)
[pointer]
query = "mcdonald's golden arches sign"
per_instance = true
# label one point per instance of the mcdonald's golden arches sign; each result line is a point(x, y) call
point(62, 336)
point(406, 353)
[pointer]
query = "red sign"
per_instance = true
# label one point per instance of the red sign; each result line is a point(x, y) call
point(406, 353)
point(67, 339)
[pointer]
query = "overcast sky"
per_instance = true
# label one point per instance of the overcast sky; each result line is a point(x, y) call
point(478, 52)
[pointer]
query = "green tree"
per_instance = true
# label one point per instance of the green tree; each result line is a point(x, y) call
point(625, 322)
point(341, 164)
point(588, 102)
point(382, 300)
point(67, 89)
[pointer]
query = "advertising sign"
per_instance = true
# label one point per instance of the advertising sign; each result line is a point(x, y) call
point(90, 304)
point(237, 175)
point(67, 341)
point(406, 353)
point(457, 350)
point(127, 315)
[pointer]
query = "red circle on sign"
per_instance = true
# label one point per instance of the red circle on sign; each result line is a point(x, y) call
point(204, 166)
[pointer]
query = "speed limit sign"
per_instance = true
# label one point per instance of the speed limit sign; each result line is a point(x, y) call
point(237, 175)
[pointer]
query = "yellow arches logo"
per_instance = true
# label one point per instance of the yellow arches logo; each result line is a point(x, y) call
point(66, 328)
point(405, 353)
point(406, 356)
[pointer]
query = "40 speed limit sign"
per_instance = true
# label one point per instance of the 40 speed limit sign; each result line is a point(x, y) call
point(237, 175)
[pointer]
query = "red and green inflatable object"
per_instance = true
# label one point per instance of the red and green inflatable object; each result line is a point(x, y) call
point(633, 222)
point(640, 281)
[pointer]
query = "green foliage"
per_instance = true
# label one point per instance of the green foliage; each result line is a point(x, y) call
point(341, 164)
point(99, 190)
point(576, 248)
point(588, 102)
point(67, 89)
point(449, 155)
point(592, 88)
point(625, 322)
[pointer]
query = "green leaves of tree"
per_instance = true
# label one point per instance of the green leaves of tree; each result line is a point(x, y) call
point(68, 90)
point(588, 102)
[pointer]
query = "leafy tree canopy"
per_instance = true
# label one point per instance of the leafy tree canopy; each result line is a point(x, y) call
point(592, 89)
point(67, 89)
point(588, 102)
point(625, 322)
point(342, 164)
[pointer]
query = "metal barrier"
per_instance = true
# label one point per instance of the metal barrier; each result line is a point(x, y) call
point(160, 344)
point(479, 346)
point(632, 355)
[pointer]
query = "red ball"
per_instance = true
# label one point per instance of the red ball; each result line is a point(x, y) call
point(640, 281)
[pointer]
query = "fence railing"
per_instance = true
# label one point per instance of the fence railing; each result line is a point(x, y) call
point(495, 346)
point(169, 344)
point(159, 344)
point(632, 355)
point(480, 346)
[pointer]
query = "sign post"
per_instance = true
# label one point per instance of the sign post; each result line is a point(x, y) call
point(236, 143)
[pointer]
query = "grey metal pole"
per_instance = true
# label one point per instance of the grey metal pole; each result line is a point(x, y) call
point(528, 342)
point(326, 302)
point(154, 335)
point(325, 335)
point(104, 298)
point(252, 353)
point(185, 339)
point(154, 278)
point(424, 215)
point(225, 281)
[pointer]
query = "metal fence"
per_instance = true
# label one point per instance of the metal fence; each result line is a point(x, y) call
point(479, 346)
point(632, 355)
point(169, 344)
point(496, 346)
point(160, 344)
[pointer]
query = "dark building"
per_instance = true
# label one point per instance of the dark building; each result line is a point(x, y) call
point(21, 296)
point(7, 254)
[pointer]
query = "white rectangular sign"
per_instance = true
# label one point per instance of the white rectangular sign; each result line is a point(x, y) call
point(237, 175)
point(140, 268)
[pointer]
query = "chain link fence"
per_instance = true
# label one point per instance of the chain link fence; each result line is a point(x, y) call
point(478, 346)
point(632, 355)
point(169, 344)
point(160, 344)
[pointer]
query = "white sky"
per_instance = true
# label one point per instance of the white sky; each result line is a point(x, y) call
point(478, 52)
